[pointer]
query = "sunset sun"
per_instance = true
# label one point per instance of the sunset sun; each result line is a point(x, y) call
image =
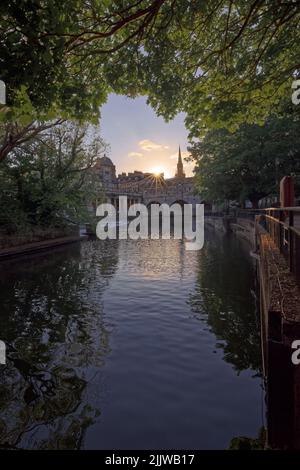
point(158, 170)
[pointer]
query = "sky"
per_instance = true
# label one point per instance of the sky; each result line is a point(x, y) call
point(140, 140)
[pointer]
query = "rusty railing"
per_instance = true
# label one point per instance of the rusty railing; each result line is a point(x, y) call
point(283, 226)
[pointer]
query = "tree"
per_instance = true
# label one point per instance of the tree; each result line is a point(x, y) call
point(248, 163)
point(14, 134)
point(49, 180)
point(222, 62)
point(53, 61)
point(58, 56)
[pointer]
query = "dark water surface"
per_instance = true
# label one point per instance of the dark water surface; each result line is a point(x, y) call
point(129, 344)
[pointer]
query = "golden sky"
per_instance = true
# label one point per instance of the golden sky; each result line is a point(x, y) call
point(140, 140)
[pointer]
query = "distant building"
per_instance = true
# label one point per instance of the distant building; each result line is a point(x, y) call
point(106, 171)
point(146, 187)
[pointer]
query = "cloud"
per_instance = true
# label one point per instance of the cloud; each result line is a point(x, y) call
point(135, 154)
point(149, 145)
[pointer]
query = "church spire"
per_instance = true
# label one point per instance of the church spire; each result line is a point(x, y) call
point(179, 156)
point(180, 173)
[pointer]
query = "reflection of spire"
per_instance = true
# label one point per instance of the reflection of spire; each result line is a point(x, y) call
point(180, 173)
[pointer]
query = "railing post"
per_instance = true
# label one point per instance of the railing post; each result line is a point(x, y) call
point(281, 231)
point(296, 255)
point(291, 241)
point(272, 226)
point(268, 226)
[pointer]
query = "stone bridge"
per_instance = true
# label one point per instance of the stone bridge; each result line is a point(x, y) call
point(149, 198)
point(170, 199)
point(147, 188)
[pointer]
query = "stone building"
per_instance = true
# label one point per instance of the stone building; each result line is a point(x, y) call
point(106, 170)
point(146, 187)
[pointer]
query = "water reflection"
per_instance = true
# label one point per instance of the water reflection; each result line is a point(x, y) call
point(106, 350)
point(224, 299)
point(51, 320)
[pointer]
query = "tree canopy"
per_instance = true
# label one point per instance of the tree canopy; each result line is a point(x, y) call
point(220, 61)
point(248, 163)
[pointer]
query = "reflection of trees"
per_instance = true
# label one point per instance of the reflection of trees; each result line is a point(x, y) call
point(52, 322)
point(223, 299)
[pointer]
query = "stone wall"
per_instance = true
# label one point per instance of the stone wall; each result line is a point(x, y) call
point(245, 229)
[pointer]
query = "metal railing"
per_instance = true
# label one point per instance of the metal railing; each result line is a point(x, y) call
point(248, 214)
point(283, 226)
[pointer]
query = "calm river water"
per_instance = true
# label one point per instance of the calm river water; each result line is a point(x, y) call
point(130, 345)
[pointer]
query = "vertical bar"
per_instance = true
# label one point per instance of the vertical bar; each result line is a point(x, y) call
point(281, 232)
point(296, 258)
point(291, 241)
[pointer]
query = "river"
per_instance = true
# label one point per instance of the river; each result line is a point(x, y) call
point(130, 345)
